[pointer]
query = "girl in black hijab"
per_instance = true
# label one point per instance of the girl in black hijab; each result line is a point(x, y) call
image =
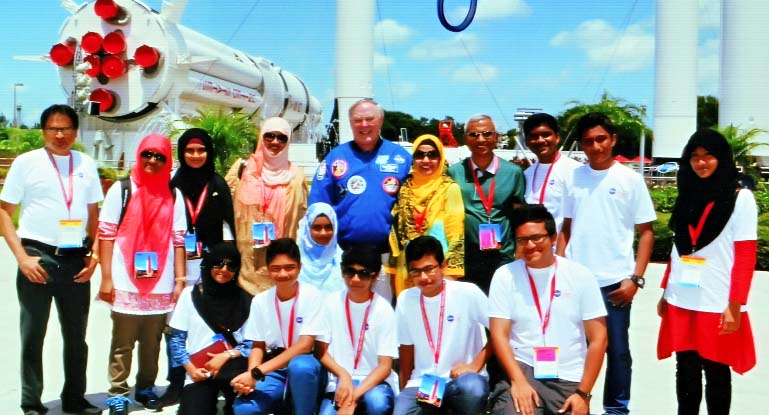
point(708, 278)
point(206, 338)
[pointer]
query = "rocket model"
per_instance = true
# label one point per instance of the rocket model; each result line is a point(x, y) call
point(138, 71)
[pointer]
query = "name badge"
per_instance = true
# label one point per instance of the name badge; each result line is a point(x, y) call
point(431, 390)
point(490, 236)
point(388, 168)
point(545, 362)
point(192, 246)
point(71, 234)
point(146, 265)
point(692, 269)
point(262, 233)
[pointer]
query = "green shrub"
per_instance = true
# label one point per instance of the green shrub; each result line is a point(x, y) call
point(664, 198)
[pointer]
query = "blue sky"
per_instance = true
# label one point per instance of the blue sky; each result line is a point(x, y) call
point(517, 53)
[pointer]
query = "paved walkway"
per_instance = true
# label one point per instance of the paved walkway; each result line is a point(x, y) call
point(653, 380)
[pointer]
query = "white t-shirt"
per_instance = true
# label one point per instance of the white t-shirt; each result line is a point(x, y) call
point(712, 295)
point(577, 298)
point(555, 190)
point(110, 213)
point(199, 335)
point(604, 207)
point(263, 324)
point(32, 183)
point(466, 311)
point(379, 339)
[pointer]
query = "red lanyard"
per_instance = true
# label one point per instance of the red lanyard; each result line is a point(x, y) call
point(419, 219)
point(362, 335)
point(488, 203)
point(547, 177)
point(436, 350)
point(194, 213)
point(695, 233)
point(546, 320)
point(67, 199)
point(287, 343)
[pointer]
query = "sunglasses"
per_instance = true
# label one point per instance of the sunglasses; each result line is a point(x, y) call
point(476, 134)
point(233, 267)
point(432, 155)
point(152, 155)
point(282, 138)
point(363, 273)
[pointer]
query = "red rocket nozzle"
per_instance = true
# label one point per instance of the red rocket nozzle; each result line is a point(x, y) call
point(62, 54)
point(104, 97)
point(146, 56)
point(95, 66)
point(113, 67)
point(106, 9)
point(91, 42)
point(114, 42)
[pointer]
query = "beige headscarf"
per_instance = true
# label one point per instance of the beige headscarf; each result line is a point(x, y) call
point(264, 168)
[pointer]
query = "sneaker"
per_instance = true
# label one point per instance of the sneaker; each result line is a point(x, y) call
point(148, 398)
point(118, 405)
point(81, 407)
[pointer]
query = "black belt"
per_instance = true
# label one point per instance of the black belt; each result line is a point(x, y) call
point(48, 249)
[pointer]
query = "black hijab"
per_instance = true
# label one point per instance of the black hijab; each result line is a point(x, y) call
point(217, 207)
point(224, 307)
point(694, 193)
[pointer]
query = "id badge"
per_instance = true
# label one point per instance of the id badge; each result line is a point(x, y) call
point(692, 267)
point(146, 265)
point(545, 362)
point(192, 246)
point(71, 234)
point(262, 233)
point(490, 236)
point(431, 390)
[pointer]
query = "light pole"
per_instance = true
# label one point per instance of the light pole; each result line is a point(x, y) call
point(15, 108)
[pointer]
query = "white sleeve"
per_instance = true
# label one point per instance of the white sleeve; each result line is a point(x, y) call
point(13, 188)
point(643, 202)
point(313, 327)
point(180, 216)
point(94, 194)
point(745, 216)
point(110, 209)
point(480, 306)
point(254, 323)
point(568, 198)
point(180, 319)
point(402, 321)
point(500, 294)
point(387, 344)
point(320, 326)
point(591, 302)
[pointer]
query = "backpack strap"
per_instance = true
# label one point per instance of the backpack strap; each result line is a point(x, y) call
point(125, 197)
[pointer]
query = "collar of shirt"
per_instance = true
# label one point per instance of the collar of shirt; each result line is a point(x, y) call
point(492, 169)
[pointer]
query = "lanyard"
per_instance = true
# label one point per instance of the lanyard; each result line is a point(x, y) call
point(547, 177)
point(419, 218)
point(67, 199)
point(546, 320)
point(194, 213)
point(361, 337)
point(436, 350)
point(488, 203)
point(287, 343)
point(695, 233)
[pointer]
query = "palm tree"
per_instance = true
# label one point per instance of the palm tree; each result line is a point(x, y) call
point(742, 142)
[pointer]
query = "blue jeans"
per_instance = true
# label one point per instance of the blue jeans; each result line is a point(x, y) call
point(378, 400)
point(306, 379)
point(616, 390)
point(465, 395)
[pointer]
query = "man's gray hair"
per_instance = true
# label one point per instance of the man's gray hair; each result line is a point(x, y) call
point(478, 117)
point(370, 101)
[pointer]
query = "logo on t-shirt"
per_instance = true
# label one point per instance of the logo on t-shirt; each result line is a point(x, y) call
point(299, 319)
point(612, 191)
point(356, 185)
point(551, 182)
point(450, 318)
point(321, 174)
point(399, 159)
point(390, 185)
point(557, 293)
point(338, 168)
point(382, 159)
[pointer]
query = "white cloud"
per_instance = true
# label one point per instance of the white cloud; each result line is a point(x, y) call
point(626, 51)
point(389, 32)
point(709, 14)
point(458, 46)
point(404, 89)
point(491, 9)
point(381, 62)
point(708, 67)
point(476, 73)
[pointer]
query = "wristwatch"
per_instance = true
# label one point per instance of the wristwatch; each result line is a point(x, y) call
point(638, 280)
point(583, 394)
point(257, 374)
point(231, 353)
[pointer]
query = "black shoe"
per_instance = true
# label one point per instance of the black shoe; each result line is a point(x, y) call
point(172, 396)
point(82, 407)
point(148, 398)
point(41, 410)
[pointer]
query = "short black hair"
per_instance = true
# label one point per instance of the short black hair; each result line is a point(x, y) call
point(60, 109)
point(285, 246)
point(365, 255)
point(592, 120)
point(538, 119)
point(532, 213)
point(422, 246)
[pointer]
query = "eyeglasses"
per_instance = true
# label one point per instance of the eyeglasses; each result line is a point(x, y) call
point(363, 273)
point(282, 138)
point(429, 270)
point(432, 155)
point(152, 155)
point(56, 130)
point(233, 267)
point(537, 239)
point(476, 134)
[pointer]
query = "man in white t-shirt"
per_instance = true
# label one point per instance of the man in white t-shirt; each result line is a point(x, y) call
point(59, 191)
point(358, 345)
point(541, 309)
point(606, 204)
point(282, 375)
point(440, 331)
point(546, 179)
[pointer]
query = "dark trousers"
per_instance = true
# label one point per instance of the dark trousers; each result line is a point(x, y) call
point(72, 304)
point(616, 391)
point(718, 389)
point(200, 398)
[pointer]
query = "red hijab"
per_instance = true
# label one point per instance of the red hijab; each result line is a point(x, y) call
point(148, 222)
